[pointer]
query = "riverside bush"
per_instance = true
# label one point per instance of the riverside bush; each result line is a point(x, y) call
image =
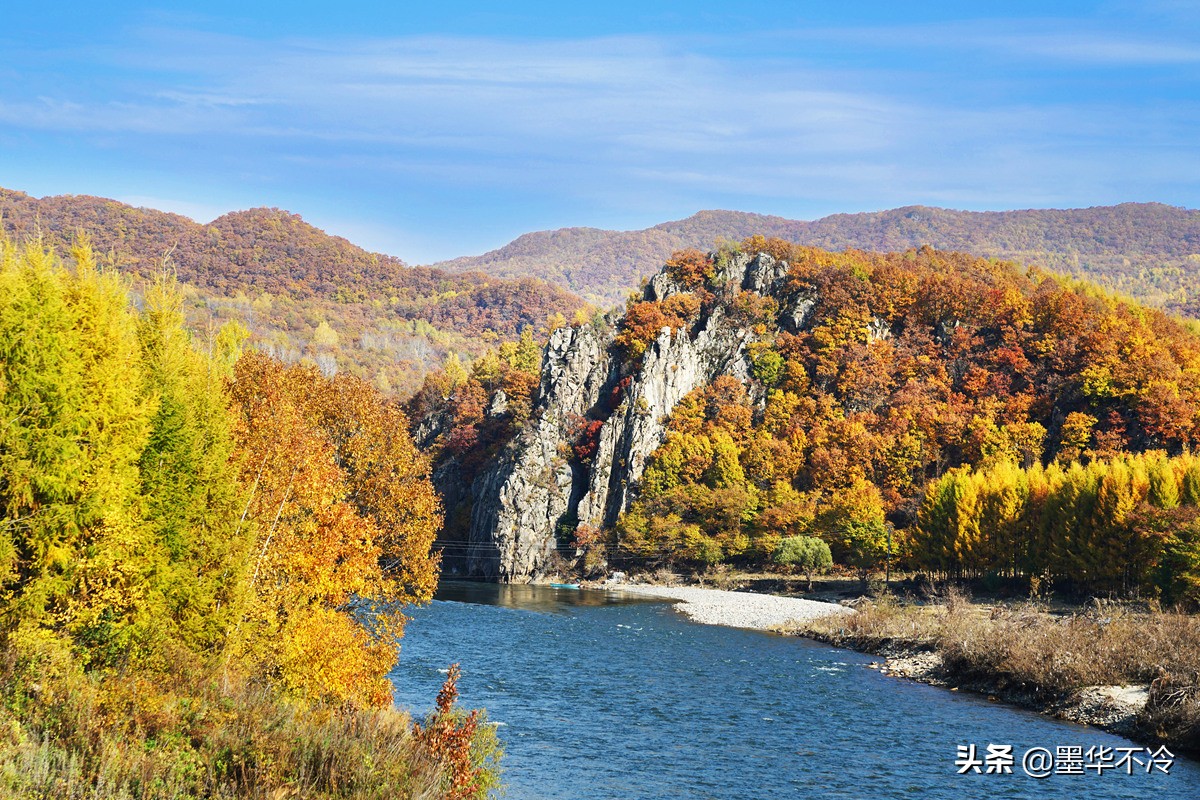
point(805, 553)
point(191, 732)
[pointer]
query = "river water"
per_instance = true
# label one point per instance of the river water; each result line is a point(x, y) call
point(600, 697)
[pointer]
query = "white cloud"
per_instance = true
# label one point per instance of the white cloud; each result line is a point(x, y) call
point(111, 116)
point(1047, 40)
point(491, 95)
point(764, 122)
point(1095, 48)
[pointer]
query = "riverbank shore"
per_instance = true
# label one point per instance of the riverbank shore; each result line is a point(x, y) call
point(1133, 673)
point(764, 612)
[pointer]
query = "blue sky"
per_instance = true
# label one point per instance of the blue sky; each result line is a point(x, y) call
point(435, 130)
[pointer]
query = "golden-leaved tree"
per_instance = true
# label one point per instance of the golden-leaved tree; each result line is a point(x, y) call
point(154, 497)
point(77, 557)
point(170, 514)
point(1122, 524)
point(345, 519)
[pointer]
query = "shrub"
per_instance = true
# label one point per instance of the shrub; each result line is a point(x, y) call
point(805, 553)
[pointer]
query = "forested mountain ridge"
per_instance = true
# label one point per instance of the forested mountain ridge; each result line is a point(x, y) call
point(1149, 251)
point(772, 390)
point(302, 293)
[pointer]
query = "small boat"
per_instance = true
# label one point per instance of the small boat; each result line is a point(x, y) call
point(564, 586)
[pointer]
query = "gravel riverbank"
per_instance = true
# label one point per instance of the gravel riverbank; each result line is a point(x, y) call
point(738, 609)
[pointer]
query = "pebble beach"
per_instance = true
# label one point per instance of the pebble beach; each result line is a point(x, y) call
point(738, 609)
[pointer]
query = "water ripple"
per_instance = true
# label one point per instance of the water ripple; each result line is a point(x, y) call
point(602, 699)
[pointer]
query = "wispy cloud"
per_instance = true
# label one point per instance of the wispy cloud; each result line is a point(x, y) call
point(614, 99)
point(70, 115)
point(1099, 49)
point(1047, 39)
point(766, 122)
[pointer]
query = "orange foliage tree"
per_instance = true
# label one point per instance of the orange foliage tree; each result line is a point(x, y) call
point(345, 520)
point(905, 367)
point(451, 736)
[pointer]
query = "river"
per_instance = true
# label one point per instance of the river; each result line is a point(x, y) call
point(600, 697)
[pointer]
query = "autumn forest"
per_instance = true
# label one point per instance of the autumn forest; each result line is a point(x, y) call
point(220, 463)
point(936, 411)
point(205, 554)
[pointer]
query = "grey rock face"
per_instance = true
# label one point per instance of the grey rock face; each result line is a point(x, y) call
point(499, 404)
point(878, 329)
point(764, 275)
point(673, 366)
point(661, 286)
point(797, 315)
point(520, 501)
point(529, 503)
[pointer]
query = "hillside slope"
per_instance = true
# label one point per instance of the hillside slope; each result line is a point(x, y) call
point(1146, 250)
point(284, 279)
point(779, 390)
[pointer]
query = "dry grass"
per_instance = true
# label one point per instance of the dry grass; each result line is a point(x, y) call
point(878, 623)
point(1023, 649)
point(182, 735)
point(1103, 646)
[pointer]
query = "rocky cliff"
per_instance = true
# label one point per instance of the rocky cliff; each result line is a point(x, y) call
point(529, 502)
point(746, 400)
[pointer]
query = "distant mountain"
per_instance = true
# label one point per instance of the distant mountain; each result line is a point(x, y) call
point(284, 278)
point(269, 250)
point(1147, 250)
